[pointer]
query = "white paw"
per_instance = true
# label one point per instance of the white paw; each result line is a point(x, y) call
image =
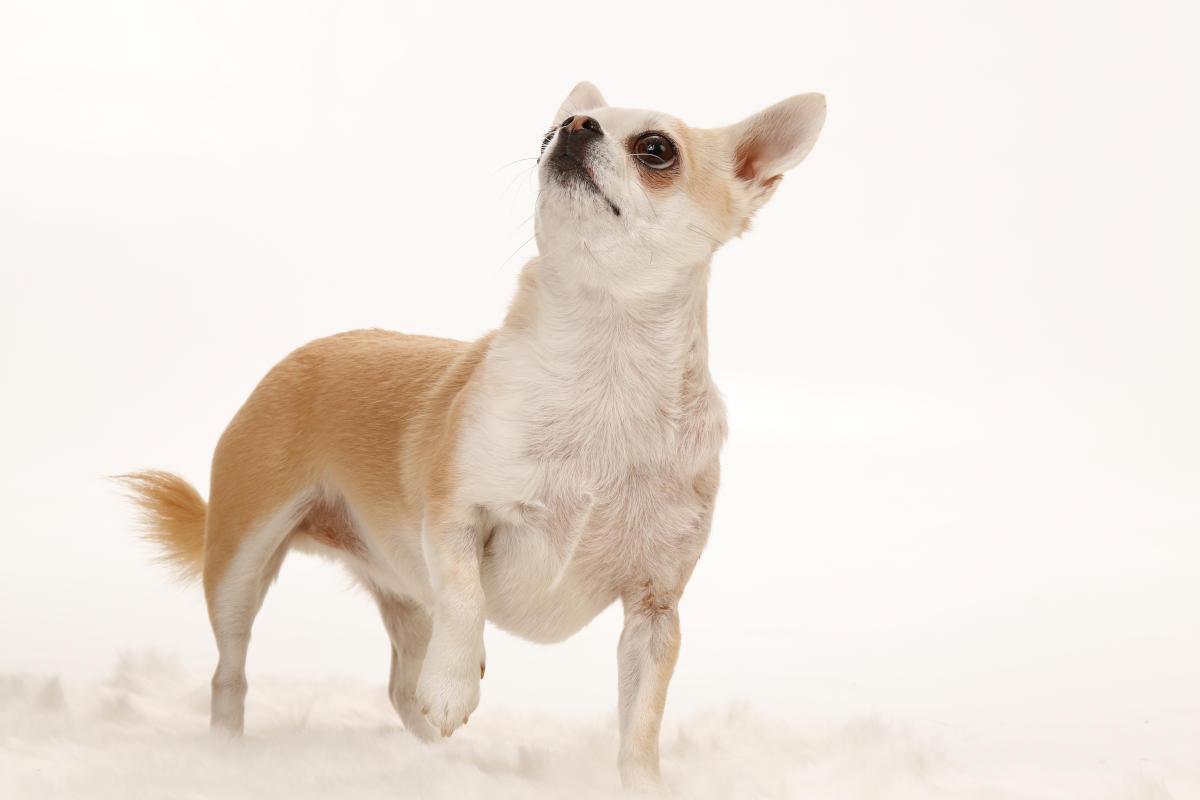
point(447, 697)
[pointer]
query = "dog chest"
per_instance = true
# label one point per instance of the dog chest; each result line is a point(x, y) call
point(554, 561)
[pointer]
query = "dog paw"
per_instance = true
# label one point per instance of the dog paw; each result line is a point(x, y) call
point(447, 698)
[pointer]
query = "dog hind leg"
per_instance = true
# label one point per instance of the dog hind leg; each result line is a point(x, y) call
point(236, 579)
point(409, 627)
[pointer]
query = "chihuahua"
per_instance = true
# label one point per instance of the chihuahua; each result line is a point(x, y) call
point(532, 477)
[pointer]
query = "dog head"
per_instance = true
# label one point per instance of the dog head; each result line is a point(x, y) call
point(635, 182)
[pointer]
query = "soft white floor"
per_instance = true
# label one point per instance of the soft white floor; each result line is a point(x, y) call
point(955, 552)
point(142, 734)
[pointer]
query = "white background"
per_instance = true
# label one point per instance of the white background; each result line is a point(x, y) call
point(961, 348)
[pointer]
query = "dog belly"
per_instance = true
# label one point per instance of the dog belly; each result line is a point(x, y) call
point(332, 530)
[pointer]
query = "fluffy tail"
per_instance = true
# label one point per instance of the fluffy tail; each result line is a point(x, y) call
point(172, 517)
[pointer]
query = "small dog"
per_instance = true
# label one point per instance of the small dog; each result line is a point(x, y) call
point(530, 478)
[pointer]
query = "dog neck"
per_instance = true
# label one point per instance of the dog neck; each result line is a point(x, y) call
point(590, 313)
point(611, 377)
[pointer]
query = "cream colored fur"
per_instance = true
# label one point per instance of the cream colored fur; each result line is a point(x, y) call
point(530, 478)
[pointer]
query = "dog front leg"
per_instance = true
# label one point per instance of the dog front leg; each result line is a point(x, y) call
point(646, 659)
point(448, 688)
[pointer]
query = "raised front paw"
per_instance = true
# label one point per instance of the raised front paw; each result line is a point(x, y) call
point(447, 697)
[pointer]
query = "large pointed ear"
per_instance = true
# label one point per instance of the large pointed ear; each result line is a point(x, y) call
point(583, 97)
point(773, 141)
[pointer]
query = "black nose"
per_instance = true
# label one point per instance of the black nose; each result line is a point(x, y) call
point(579, 122)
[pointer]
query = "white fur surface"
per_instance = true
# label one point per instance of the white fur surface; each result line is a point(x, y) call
point(143, 733)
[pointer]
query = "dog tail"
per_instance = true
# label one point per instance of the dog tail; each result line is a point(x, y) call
point(172, 518)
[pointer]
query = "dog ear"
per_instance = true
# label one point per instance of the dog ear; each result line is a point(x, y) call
point(769, 143)
point(584, 97)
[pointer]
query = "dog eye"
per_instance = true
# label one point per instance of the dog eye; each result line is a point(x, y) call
point(654, 150)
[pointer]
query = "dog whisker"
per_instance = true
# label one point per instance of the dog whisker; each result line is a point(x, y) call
point(694, 227)
point(514, 252)
point(514, 161)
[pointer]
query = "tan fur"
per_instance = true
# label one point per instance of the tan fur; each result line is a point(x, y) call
point(375, 410)
point(707, 180)
point(172, 516)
